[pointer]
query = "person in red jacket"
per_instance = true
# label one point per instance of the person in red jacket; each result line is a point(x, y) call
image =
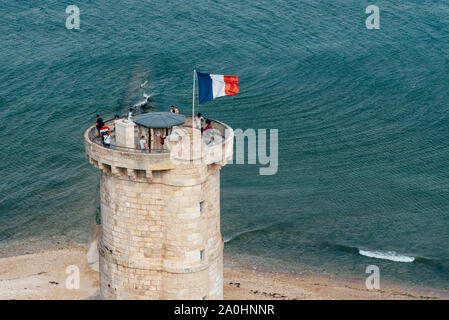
point(103, 131)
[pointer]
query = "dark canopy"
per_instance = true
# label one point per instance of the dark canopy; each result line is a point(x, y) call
point(159, 119)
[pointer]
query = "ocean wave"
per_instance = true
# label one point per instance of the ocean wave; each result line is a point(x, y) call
point(238, 234)
point(141, 103)
point(386, 255)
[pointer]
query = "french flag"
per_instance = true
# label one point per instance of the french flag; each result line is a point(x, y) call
point(211, 86)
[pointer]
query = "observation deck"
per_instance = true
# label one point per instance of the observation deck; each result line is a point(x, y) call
point(183, 146)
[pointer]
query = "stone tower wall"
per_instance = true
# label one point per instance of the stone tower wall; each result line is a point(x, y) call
point(156, 243)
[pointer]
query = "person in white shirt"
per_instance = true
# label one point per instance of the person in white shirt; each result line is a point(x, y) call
point(116, 118)
point(199, 121)
point(131, 115)
point(174, 110)
point(143, 144)
point(107, 139)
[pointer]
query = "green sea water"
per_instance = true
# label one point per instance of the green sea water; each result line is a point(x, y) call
point(362, 115)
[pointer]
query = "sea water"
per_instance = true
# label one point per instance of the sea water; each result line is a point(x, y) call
point(362, 116)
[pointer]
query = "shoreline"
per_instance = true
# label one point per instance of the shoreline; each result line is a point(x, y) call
point(309, 285)
point(42, 275)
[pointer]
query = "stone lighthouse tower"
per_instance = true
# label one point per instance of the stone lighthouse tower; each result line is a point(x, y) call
point(160, 207)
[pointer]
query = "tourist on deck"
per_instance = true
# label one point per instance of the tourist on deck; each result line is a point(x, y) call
point(211, 131)
point(131, 115)
point(208, 125)
point(103, 131)
point(163, 141)
point(99, 124)
point(143, 144)
point(107, 139)
point(207, 132)
point(174, 110)
point(199, 121)
point(116, 118)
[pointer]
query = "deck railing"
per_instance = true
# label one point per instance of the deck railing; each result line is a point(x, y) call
point(93, 136)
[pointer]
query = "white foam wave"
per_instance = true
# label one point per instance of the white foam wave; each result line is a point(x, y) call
point(139, 104)
point(386, 255)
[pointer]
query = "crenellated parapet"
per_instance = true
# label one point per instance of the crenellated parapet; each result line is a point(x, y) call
point(188, 151)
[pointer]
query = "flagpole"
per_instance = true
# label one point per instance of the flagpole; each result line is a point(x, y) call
point(193, 100)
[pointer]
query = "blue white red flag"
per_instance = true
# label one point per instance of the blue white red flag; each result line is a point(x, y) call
point(211, 86)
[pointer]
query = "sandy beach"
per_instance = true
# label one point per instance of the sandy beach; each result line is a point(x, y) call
point(43, 276)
